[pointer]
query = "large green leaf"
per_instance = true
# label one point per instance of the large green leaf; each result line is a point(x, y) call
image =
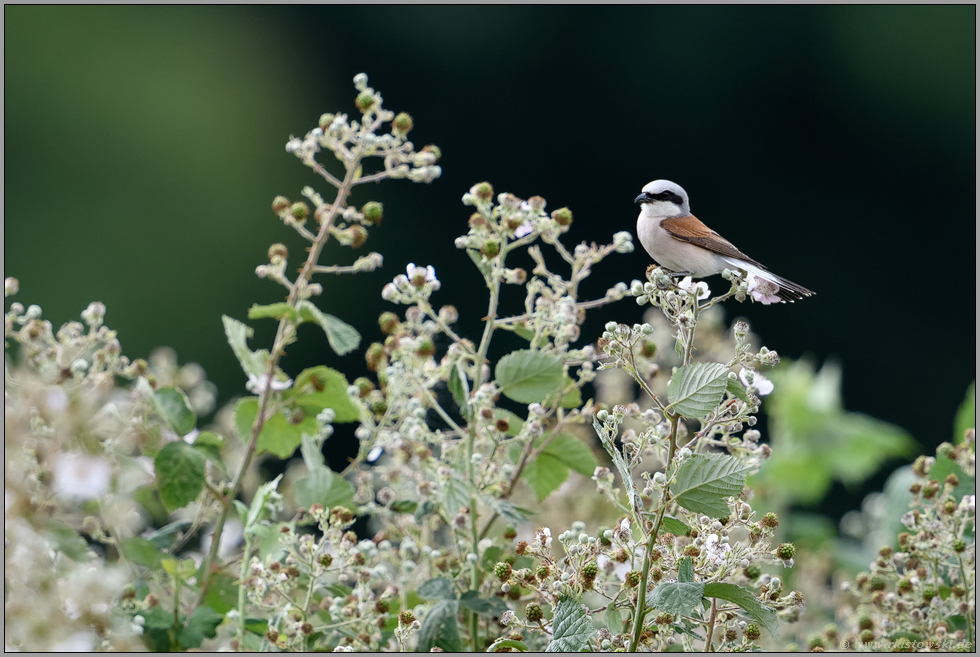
point(175, 408)
point(256, 509)
point(483, 606)
point(574, 453)
point(142, 551)
point(279, 436)
point(675, 526)
point(571, 399)
point(677, 597)
point(695, 390)
point(507, 645)
point(210, 444)
point(180, 474)
point(744, 598)
point(437, 588)
point(705, 482)
point(571, 628)
point(440, 629)
point(323, 486)
point(222, 595)
point(544, 474)
point(321, 387)
point(343, 337)
point(529, 376)
point(456, 494)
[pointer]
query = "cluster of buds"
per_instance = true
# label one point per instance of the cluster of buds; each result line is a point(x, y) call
point(416, 285)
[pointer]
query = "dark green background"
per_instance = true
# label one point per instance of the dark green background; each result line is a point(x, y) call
point(836, 145)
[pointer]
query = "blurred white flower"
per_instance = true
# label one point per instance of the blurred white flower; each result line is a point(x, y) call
point(700, 288)
point(755, 382)
point(524, 229)
point(715, 549)
point(81, 475)
point(259, 384)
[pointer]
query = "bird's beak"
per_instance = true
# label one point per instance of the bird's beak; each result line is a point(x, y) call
point(643, 198)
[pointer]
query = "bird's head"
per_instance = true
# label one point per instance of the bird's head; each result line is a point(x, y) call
point(663, 198)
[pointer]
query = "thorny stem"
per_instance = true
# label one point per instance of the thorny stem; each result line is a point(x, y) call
point(285, 328)
point(969, 624)
point(241, 592)
point(675, 419)
point(711, 625)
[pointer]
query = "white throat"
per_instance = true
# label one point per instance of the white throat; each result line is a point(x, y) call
point(662, 209)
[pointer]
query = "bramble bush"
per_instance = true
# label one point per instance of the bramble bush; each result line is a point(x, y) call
point(126, 524)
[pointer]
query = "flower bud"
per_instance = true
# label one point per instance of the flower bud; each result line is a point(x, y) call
point(483, 191)
point(299, 210)
point(402, 124)
point(365, 101)
point(280, 204)
point(562, 216)
point(372, 211)
point(277, 253)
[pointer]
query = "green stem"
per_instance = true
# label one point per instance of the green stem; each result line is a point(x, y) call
point(969, 624)
point(711, 625)
point(285, 328)
point(241, 592)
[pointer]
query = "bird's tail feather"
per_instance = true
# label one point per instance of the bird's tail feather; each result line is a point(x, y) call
point(786, 290)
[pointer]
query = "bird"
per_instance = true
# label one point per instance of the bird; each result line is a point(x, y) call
point(678, 240)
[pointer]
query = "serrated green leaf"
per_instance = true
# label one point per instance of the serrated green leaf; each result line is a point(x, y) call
point(257, 626)
point(237, 334)
point(180, 474)
point(157, 618)
point(571, 451)
point(677, 597)
point(685, 571)
point(164, 537)
point(175, 408)
point(483, 606)
point(321, 387)
point(142, 551)
point(343, 337)
point(202, 624)
point(763, 615)
point(675, 526)
point(696, 389)
point(571, 627)
point(704, 483)
point(524, 332)
point(281, 310)
point(278, 436)
point(510, 644)
point(544, 475)
point(528, 376)
point(737, 389)
point(510, 512)
point(440, 628)
point(257, 508)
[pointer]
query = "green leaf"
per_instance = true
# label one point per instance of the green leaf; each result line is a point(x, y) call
point(459, 387)
point(571, 628)
point(323, 486)
point(632, 494)
point(142, 551)
point(279, 436)
point(500, 644)
point(675, 526)
point(404, 506)
point(737, 389)
point(614, 620)
point(312, 456)
point(281, 310)
point(484, 606)
point(685, 571)
point(528, 376)
point(202, 624)
point(210, 444)
point(257, 626)
point(544, 475)
point(679, 598)
point(180, 474)
point(437, 588)
point(321, 387)
point(571, 451)
point(704, 483)
point(440, 628)
point(343, 337)
point(966, 415)
point(945, 467)
point(478, 261)
point(524, 332)
point(763, 615)
point(238, 333)
point(571, 399)
point(222, 595)
point(262, 494)
point(175, 408)
point(510, 512)
point(696, 389)
point(157, 618)
point(164, 537)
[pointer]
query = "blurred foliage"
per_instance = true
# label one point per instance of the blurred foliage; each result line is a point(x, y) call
point(816, 442)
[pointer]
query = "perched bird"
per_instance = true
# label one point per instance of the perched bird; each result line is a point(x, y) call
point(678, 240)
